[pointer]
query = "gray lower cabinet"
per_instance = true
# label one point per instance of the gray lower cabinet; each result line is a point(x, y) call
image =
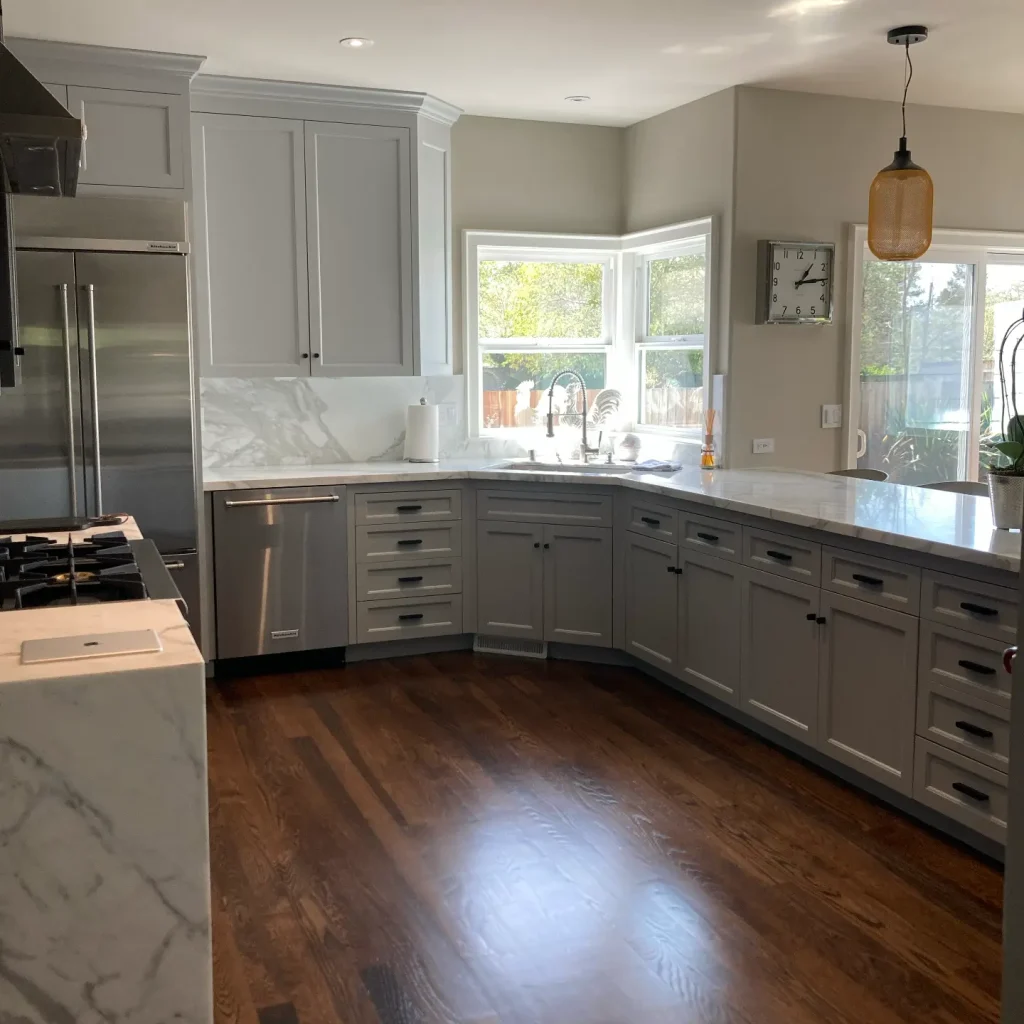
point(652, 623)
point(578, 585)
point(867, 700)
point(710, 612)
point(779, 653)
point(510, 579)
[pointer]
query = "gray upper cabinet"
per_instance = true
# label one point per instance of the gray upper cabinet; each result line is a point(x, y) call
point(249, 261)
point(867, 701)
point(360, 252)
point(710, 612)
point(134, 138)
point(651, 595)
point(578, 585)
point(59, 92)
point(510, 579)
point(779, 653)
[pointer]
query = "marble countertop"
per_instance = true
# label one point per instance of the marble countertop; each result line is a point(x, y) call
point(934, 522)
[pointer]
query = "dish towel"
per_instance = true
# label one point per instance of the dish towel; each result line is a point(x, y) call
point(657, 466)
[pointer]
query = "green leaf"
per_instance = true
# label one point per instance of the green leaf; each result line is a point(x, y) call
point(1013, 450)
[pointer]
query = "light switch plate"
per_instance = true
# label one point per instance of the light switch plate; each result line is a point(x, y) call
point(831, 417)
point(764, 445)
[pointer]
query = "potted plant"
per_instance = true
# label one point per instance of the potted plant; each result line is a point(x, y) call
point(1006, 476)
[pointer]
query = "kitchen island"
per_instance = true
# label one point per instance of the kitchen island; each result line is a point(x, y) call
point(104, 872)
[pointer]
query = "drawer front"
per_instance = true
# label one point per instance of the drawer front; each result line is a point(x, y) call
point(386, 543)
point(977, 607)
point(965, 724)
point(960, 788)
point(388, 580)
point(784, 556)
point(712, 535)
point(654, 521)
point(875, 580)
point(556, 508)
point(379, 508)
point(402, 620)
point(963, 661)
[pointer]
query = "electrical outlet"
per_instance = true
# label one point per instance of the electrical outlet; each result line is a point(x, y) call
point(831, 417)
point(764, 445)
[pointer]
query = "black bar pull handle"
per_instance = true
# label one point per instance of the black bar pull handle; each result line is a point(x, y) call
point(974, 794)
point(671, 568)
point(871, 581)
point(811, 616)
point(780, 555)
point(973, 666)
point(821, 620)
point(649, 521)
point(410, 616)
point(410, 543)
point(711, 538)
point(410, 579)
point(408, 508)
point(974, 730)
point(978, 609)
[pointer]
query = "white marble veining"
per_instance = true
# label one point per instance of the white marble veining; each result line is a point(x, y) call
point(913, 518)
point(104, 872)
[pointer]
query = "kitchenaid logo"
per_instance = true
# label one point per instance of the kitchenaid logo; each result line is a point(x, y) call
point(163, 246)
point(283, 634)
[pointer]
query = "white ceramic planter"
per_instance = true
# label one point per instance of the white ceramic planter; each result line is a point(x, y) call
point(1007, 494)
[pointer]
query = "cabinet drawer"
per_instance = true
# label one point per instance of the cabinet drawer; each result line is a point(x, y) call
point(872, 579)
point(401, 620)
point(388, 580)
point(381, 543)
point(712, 535)
point(654, 521)
point(960, 722)
point(977, 607)
point(784, 556)
point(960, 788)
point(377, 508)
point(557, 508)
point(969, 663)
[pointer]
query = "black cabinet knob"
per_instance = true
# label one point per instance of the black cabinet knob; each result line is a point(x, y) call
point(547, 545)
point(811, 616)
point(821, 620)
point(671, 568)
point(19, 350)
point(305, 355)
point(537, 544)
point(316, 355)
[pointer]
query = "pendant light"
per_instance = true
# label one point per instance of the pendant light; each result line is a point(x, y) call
point(902, 195)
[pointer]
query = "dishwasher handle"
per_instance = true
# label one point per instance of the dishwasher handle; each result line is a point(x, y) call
point(254, 502)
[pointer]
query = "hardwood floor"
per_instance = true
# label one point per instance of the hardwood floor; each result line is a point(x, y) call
point(470, 839)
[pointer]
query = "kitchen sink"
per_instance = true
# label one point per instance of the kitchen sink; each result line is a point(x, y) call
point(591, 469)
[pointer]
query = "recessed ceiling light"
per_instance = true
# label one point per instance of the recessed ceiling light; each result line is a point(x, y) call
point(577, 99)
point(356, 42)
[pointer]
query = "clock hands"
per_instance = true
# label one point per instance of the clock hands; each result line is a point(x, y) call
point(805, 273)
point(812, 280)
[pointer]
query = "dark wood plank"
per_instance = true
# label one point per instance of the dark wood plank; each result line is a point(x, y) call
point(463, 839)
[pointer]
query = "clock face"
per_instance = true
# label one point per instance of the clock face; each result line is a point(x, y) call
point(800, 282)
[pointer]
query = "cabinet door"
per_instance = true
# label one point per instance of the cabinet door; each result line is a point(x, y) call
point(59, 92)
point(360, 250)
point(651, 601)
point(578, 585)
point(134, 139)
point(779, 653)
point(249, 255)
point(709, 625)
point(510, 580)
point(868, 689)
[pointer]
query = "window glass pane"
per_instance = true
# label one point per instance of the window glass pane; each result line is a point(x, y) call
point(515, 384)
point(673, 387)
point(675, 295)
point(522, 299)
point(915, 370)
point(1004, 304)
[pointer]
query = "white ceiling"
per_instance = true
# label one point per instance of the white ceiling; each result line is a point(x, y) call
point(520, 58)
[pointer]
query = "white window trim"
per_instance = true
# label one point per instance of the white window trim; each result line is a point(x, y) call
point(621, 299)
point(979, 248)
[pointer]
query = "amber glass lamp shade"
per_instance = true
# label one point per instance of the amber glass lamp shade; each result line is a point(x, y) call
point(900, 209)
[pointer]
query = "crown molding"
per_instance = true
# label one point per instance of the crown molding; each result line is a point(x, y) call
point(226, 87)
point(47, 52)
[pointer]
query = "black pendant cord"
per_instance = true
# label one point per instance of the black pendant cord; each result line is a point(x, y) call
point(908, 78)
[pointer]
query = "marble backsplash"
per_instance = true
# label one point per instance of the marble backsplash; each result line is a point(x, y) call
point(294, 421)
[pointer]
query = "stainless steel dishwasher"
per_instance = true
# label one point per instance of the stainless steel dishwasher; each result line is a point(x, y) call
point(280, 570)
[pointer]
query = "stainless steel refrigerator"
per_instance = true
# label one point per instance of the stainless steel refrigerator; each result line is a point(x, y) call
point(102, 420)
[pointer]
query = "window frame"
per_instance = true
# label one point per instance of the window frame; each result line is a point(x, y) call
point(977, 248)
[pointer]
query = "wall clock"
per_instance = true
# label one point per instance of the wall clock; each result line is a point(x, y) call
point(795, 282)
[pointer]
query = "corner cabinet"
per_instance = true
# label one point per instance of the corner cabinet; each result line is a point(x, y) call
point(333, 258)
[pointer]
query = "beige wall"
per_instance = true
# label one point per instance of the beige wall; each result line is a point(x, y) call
point(510, 175)
point(804, 163)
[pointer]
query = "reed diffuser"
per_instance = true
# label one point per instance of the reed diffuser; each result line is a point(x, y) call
point(707, 451)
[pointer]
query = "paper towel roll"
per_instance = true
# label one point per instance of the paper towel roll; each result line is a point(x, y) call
point(421, 434)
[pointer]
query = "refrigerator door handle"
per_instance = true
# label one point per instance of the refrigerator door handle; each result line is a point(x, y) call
point(69, 398)
point(94, 390)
